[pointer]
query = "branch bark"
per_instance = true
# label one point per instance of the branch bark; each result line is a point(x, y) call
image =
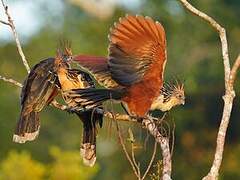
point(164, 144)
point(12, 81)
point(19, 47)
point(229, 78)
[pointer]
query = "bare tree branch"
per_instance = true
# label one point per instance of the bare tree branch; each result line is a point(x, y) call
point(219, 29)
point(11, 24)
point(164, 144)
point(12, 81)
point(229, 76)
point(5, 23)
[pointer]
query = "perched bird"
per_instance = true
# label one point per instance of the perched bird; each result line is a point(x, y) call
point(39, 89)
point(75, 79)
point(46, 80)
point(133, 71)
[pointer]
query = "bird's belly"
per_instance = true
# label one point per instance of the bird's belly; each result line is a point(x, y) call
point(139, 99)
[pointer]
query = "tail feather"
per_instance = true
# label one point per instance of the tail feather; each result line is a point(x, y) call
point(88, 145)
point(91, 97)
point(27, 127)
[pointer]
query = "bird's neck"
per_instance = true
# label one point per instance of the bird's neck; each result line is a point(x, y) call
point(161, 104)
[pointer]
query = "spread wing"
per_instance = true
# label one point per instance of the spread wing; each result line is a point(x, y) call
point(98, 67)
point(136, 44)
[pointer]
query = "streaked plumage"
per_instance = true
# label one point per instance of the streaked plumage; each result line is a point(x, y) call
point(38, 90)
point(75, 79)
point(170, 96)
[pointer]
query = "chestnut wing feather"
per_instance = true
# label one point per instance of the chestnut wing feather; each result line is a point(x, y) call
point(136, 43)
point(98, 67)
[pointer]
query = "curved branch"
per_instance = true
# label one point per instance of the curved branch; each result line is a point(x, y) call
point(151, 161)
point(19, 47)
point(229, 76)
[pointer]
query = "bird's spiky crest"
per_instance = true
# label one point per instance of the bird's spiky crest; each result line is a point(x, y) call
point(65, 47)
point(170, 88)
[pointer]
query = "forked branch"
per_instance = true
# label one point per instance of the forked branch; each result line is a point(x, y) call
point(229, 76)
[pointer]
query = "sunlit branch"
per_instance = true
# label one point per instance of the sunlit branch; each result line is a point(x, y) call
point(12, 81)
point(19, 47)
point(229, 76)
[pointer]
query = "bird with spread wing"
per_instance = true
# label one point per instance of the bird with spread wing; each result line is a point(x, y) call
point(133, 71)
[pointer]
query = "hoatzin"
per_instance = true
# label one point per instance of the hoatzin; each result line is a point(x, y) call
point(44, 82)
point(133, 71)
point(39, 89)
point(75, 79)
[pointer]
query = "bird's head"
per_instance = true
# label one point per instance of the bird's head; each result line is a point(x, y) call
point(64, 54)
point(66, 51)
point(174, 93)
point(170, 95)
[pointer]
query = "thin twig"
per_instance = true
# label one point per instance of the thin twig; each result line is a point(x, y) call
point(124, 147)
point(12, 81)
point(151, 161)
point(219, 29)
point(122, 142)
point(173, 139)
point(134, 161)
point(19, 47)
point(164, 144)
point(5, 23)
point(229, 77)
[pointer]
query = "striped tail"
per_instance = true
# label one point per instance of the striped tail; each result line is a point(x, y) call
point(27, 127)
point(88, 145)
point(90, 98)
